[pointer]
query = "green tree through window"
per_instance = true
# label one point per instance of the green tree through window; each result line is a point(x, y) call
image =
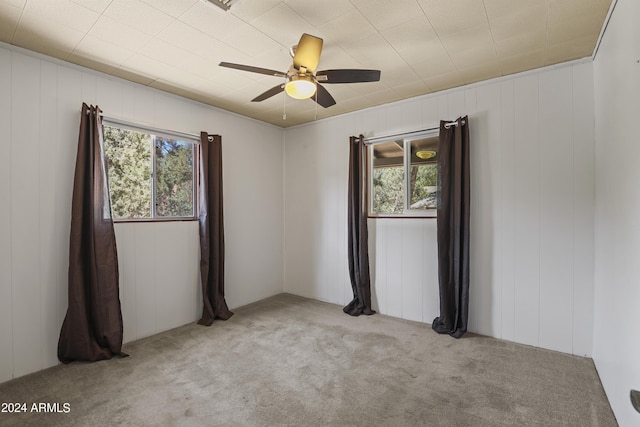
point(129, 172)
point(174, 178)
point(388, 187)
point(143, 168)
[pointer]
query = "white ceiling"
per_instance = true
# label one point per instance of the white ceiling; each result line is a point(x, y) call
point(421, 46)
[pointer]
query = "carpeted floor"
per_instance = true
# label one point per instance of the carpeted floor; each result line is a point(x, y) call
point(290, 361)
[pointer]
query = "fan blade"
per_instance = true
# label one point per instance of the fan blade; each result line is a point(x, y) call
point(268, 94)
point(308, 53)
point(348, 76)
point(323, 97)
point(253, 69)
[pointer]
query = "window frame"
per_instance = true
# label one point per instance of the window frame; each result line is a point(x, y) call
point(406, 155)
point(154, 133)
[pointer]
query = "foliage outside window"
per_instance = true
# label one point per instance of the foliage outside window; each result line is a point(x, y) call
point(150, 176)
point(403, 176)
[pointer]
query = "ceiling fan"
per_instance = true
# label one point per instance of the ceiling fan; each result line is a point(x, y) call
point(301, 80)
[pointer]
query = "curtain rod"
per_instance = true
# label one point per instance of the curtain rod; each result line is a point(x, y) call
point(168, 132)
point(375, 139)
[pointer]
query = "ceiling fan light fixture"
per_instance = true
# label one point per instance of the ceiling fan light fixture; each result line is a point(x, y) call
point(300, 87)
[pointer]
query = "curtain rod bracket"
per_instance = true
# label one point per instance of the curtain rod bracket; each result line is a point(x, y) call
point(448, 125)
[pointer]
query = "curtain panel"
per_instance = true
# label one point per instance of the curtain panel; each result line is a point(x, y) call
point(358, 240)
point(211, 218)
point(453, 228)
point(92, 328)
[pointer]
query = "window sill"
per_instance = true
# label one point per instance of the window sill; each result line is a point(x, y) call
point(402, 216)
point(147, 220)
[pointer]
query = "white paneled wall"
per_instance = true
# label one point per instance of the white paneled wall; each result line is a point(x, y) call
point(6, 309)
point(532, 148)
point(616, 347)
point(40, 102)
point(403, 258)
point(159, 271)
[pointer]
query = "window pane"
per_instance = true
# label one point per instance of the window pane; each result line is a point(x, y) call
point(129, 172)
point(424, 172)
point(174, 178)
point(388, 178)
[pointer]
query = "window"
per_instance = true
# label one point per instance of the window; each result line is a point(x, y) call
point(150, 176)
point(403, 176)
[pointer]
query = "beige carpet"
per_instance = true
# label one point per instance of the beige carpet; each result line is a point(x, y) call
point(290, 361)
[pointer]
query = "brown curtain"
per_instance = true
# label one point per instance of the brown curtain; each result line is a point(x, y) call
point(92, 328)
point(211, 230)
point(358, 242)
point(453, 228)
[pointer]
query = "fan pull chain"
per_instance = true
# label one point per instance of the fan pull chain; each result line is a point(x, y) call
point(284, 107)
point(316, 113)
